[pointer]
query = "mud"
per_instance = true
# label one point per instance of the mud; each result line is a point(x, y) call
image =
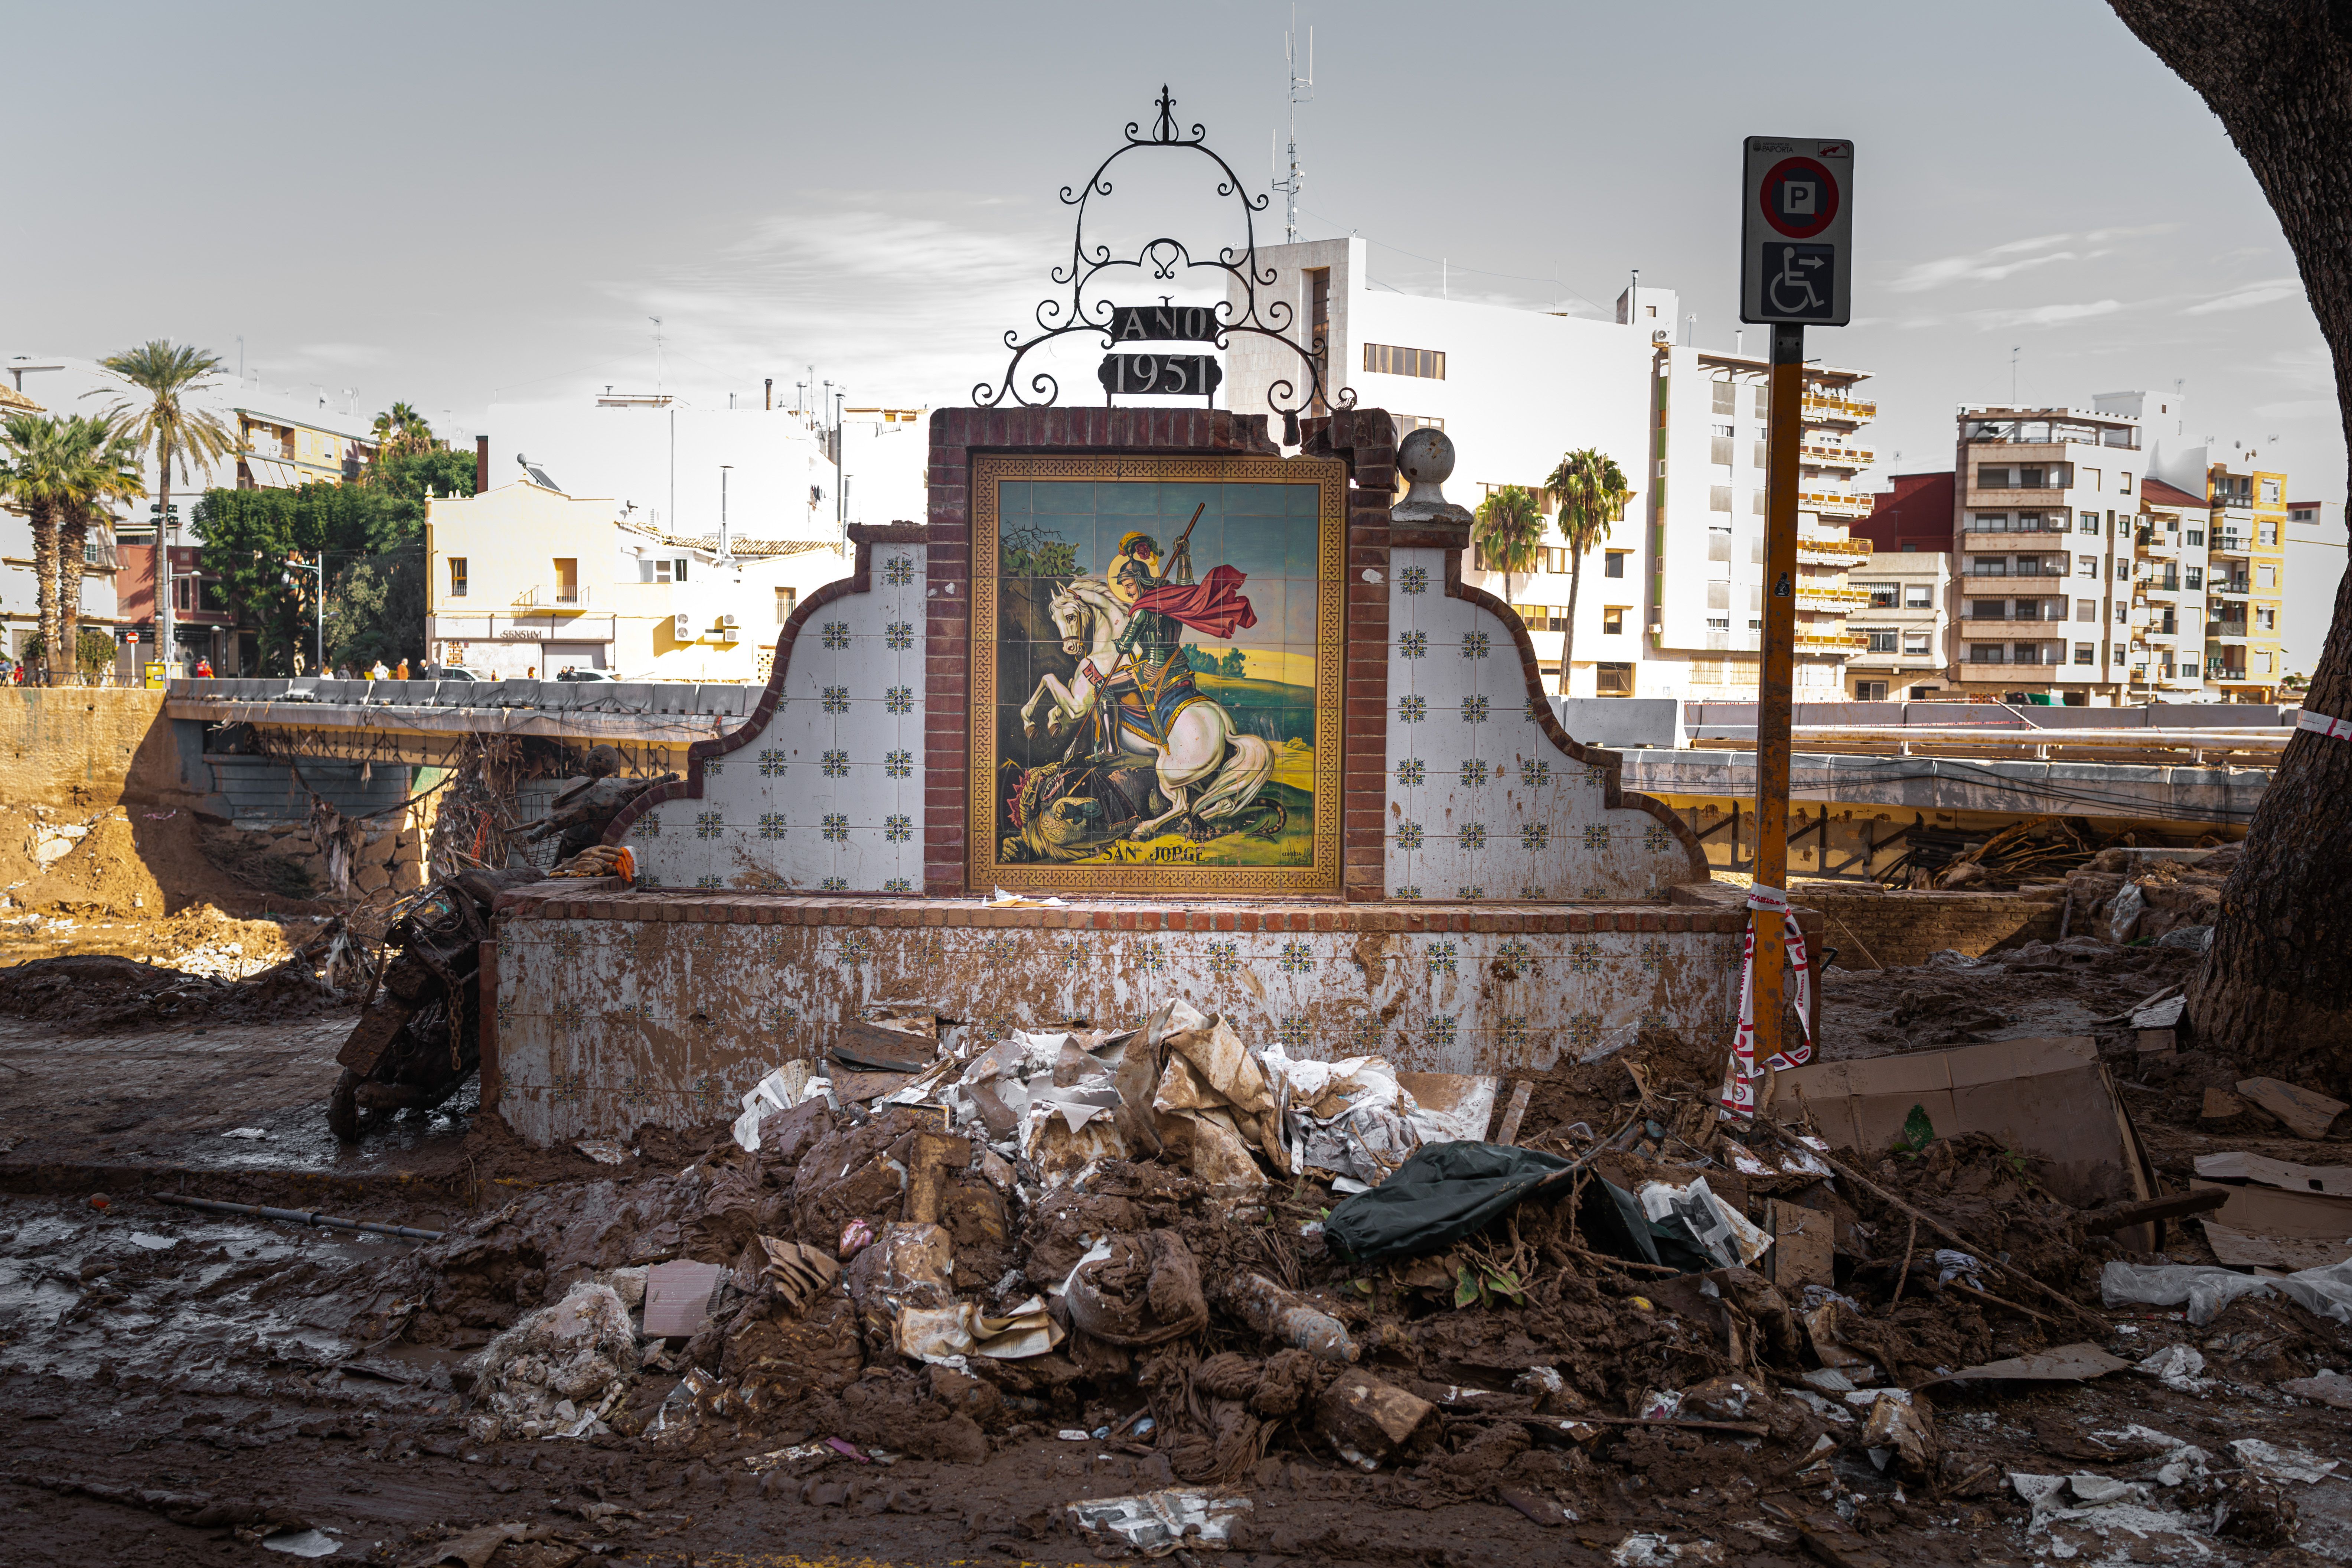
point(174, 1387)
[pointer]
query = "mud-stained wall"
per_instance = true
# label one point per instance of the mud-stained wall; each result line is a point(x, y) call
point(607, 1023)
point(93, 746)
point(1482, 802)
point(821, 791)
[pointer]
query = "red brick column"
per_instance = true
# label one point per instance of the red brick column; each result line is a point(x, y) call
point(1365, 439)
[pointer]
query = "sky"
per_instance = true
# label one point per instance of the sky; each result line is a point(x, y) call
point(456, 205)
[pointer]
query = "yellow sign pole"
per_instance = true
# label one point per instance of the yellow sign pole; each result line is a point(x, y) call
point(1777, 690)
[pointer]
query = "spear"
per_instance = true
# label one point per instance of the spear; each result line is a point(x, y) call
point(1126, 636)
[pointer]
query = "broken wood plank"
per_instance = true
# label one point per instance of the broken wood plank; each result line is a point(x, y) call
point(1520, 1094)
point(2172, 1205)
point(2306, 1112)
point(2220, 1106)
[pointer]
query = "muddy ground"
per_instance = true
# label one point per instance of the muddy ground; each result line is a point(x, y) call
point(176, 1387)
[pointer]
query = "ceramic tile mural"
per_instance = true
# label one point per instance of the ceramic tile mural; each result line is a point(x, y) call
point(828, 796)
point(1482, 805)
point(686, 1016)
point(1157, 655)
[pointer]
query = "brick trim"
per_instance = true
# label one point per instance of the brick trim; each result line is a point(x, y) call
point(1614, 797)
point(859, 580)
point(1364, 439)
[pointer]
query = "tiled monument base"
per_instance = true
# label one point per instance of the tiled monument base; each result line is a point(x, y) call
point(630, 1008)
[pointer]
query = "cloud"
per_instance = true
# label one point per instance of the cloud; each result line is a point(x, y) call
point(2044, 315)
point(1983, 266)
point(2297, 409)
point(2263, 293)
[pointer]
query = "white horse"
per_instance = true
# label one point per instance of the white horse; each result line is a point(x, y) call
point(1201, 744)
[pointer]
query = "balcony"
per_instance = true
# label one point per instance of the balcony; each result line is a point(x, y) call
point(1836, 601)
point(1831, 456)
point(1819, 405)
point(2230, 544)
point(1811, 642)
point(2009, 541)
point(2007, 630)
point(2011, 674)
point(1836, 503)
point(2228, 588)
point(1831, 551)
point(1996, 430)
point(554, 597)
point(2037, 578)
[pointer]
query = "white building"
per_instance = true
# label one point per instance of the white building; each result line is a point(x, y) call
point(675, 466)
point(1670, 604)
point(19, 592)
point(2314, 569)
point(1904, 623)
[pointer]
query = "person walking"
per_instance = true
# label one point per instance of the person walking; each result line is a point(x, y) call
point(203, 669)
point(399, 671)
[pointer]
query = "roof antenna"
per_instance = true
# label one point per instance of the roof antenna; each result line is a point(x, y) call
point(1289, 188)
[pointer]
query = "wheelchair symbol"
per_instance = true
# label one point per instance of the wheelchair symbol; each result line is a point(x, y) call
point(1799, 287)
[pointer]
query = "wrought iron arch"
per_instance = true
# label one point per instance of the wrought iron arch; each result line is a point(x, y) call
point(1163, 259)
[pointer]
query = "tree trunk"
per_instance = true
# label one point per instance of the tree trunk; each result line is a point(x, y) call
point(164, 650)
point(73, 537)
point(2274, 989)
point(1567, 637)
point(45, 580)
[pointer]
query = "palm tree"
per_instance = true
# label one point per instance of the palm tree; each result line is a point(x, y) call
point(1508, 532)
point(163, 424)
point(35, 481)
point(1592, 494)
point(401, 428)
point(102, 469)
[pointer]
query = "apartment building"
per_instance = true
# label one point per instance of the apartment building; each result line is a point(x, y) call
point(2045, 527)
point(2314, 571)
point(2245, 652)
point(1905, 627)
point(2169, 606)
point(1671, 602)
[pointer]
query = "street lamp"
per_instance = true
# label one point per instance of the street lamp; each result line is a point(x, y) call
point(318, 586)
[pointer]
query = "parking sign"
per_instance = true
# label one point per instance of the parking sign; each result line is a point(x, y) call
point(1796, 258)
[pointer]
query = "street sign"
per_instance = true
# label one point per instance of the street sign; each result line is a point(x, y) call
point(1164, 323)
point(1796, 255)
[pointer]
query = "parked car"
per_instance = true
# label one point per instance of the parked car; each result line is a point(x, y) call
point(586, 675)
point(454, 672)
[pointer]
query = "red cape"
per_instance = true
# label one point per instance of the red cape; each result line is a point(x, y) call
point(1214, 608)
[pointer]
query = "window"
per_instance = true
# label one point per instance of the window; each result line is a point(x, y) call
point(2118, 656)
point(1870, 691)
point(2086, 566)
point(2123, 483)
point(1756, 506)
point(1384, 358)
point(662, 569)
point(785, 599)
point(2090, 479)
point(1763, 403)
point(2267, 533)
point(1984, 653)
point(1989, 565)
point(2270, 492)
point(1718, 623)
point(2266, 576)
point(2088, 523)
point(2122, 525)
point(1612, 565)
point(1718, 449)
point(2086, 609)
point(1718, 497)
point(1914, 642)
point(1613, 680)
point(2195, 576)
point(2122, 613)
point(567, 580)
point(1727, 397)
point(2087, 653)
point(457, 576)
point(1881, 641)
point(2266, 619)
point(1881, 594)
point(1726, 430)
point(1612, 621)
point(1990, 522)
point(1760, 458)
point(2196, 536)
point(2027, 653)
point(1919, 596)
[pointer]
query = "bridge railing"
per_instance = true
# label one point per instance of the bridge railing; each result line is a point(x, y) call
point(667, 697)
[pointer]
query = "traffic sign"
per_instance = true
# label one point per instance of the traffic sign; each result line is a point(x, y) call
point(1796, 255)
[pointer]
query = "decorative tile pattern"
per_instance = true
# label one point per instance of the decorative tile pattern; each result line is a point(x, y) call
point(899, 700)
point(1514, 953)
point(835, 765)
point(1412, 580)
point(1408, 836)
point(1441, 1030)
point(709, 824)
point(1297, 958)
point(772, 824)
point(899, 885)
point(1534, 774)
point(1411, 773)
point(836, 637)
point(1412, 644)
point(1469, 890)
point(1224, 957)
point(1411, 709)
point(1444, 957)
point(1472, 836)
point(1473, 710)
point(898, 829)
point(1596, 835)
point(900, 636)
point(1476, 645)
point(771, 762)
point(835, 826)
point(835, 700)
point(898, 765)
point(899, 570)
point(1534, 834)
point(1294, 1032)
point(1473, 772)
point(1584, 957)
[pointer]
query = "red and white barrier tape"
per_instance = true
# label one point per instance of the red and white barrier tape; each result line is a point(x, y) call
point(2321, 724)
point(1738, 1094)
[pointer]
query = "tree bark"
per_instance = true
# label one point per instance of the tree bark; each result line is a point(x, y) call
point(73, 537)
point(165, 640)
point(2275, 989)
point(1568, 634)
point(44, 519)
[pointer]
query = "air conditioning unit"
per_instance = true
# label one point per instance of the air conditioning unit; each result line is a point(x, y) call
point(681, 627)
point(729, 629)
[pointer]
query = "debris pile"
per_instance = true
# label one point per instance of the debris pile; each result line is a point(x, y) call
point(1166, 1243)
point(2123, 896)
